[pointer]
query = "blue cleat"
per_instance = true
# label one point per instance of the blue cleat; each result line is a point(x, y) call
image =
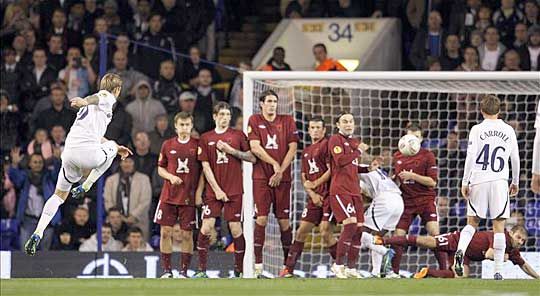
point(497, 277)
point(77, 192)
point(200, 275)
point(387, 262)
point(31, 245)
point(458, 263)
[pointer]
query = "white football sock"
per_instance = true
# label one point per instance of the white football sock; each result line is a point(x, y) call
point(91, 179)
point(499, 245)
point(376, 262)
point(367, 241)
point(465, 238)
point(49, 210)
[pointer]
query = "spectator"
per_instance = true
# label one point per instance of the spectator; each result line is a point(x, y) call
point(484, 19)
point(100, 26)
point(155, 38)
point(206, 98)
point(511, 61)
point(451, 58)
point(58, 137)
point(58, 114)
point(108, 243)
point(491, 50)
point(277, 61)
point(238, 122)
point(198, 15)
point(90, 53)
point(22, 56)
point(14, 19)
point(119, 228)
point(139, 26)
point(63, 241)
point(78, 74)
point(55, 55)
point(91, 13)
point(520, 35)
point(428, 43)
point(36, 81)
point(470, 60)
point(476, 39)
point(123, 44)
point(110, 14)
point(433, 64)
point(135, 242)
point(145, 161)
point(131, 192)
point(530, 52)
point(303, 8)
point(79, 226)
point(120, 123)
point(31, 43)
point(193, 65)
point(129, 76)
point(11, 122)
point(505, 19)
point(58, 27)
point(75, 20)
point(532, 13)
point(161, 132)
point(462, 18)
point(40, 145)
point(187, 103)
point(35, 185)
point(236, 86)
point(144, 108)
point(167, 90)
point(173, 20)
point(323, 62)
point(10, 75)
point(57, 89)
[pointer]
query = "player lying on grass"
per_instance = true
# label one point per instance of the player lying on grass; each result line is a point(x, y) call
point(480, 248)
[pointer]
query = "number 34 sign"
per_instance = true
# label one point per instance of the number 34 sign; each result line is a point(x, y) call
point(338, 31)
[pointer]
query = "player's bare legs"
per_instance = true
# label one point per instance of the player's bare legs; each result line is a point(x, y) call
point(499, 246)
point(186, 250)
point(203, 244)
point(327, 233)
point(432, 228)
point(296, 249)
point(239, 247)
point(396, 260)
point(259, 236)
point(354, 252)
point(465, 238)
point(165, 248)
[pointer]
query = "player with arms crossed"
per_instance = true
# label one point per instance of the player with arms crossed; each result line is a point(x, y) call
point(535, 182)
point(382, 215)
point(345, 196)
point(481, 247)
point(85, 148)
point(182, 191)
point(416, 176)
point(221, 154)
point(315, 177)
point(485, 180)
point(273, 139)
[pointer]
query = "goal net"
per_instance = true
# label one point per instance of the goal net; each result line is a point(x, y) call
point(445, 104)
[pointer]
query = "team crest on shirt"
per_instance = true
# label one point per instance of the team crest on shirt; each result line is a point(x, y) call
point(313, 168)
point(337, 150)
point(271, 142)
point(183, 167)
point(221, 157)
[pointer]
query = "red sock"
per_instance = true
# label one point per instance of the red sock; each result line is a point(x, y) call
point(439, 273)
point(442, 258)
point(185, 262)
point(354, 249)
point(344, 242)
point(286, 239)
point(397, 258)
point(259, 242)
point(400, 240)
point(203, 243)
point(332, 250)
point(294, 253)
point(166, 262)
point(239, 250)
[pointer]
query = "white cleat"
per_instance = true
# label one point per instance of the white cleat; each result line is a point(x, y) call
point(392, 275)
point(339, 271)
point(258, 270)
point(352, 273)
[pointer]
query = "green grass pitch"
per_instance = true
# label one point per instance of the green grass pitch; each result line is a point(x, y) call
point(274, 287)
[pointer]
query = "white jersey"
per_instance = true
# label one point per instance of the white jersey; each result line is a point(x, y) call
point(491, 144)
point(376, 182)
point(91, 123)
point(536, 149)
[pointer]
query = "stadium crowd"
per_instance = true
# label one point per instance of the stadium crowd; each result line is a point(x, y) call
point(50, 53)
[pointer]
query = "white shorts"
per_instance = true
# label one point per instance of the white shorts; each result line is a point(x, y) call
point(74, 161)
point(489, 197)
point(384, 212)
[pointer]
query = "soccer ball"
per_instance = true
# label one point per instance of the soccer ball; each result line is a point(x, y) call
point(409, 145)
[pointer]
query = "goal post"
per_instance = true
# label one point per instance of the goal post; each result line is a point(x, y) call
point(446, 105)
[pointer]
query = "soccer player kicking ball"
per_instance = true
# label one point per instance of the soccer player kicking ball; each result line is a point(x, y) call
point(417, 178)
point(345, 196)
point(273, 139)
point(481, 247)
point(485, 180)
point(221, 154)
point(85, 148)
point(315, 177)
point(182, 190)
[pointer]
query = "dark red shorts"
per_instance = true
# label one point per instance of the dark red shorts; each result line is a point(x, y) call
point(448, 243)
point(346, 206)
point(316, 215)
point(232, 210)
point(426, 210)
point(169, 214)
point(265, 196)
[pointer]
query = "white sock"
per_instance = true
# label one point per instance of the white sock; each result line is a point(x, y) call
point(465, 238)
point(91, 179)
point(367, 241)
point(376, 262)
point(499, 245)
point(49, 210)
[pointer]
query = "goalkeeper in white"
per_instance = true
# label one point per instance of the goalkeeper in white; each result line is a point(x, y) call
point(535, 183)
point(485, 180)
point(85, 149)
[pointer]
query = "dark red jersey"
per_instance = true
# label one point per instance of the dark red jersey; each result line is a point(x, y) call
point(227, 169)
point(344, 165)
point(423, 163)
point(275, 137)
point(315, 158)
point(180, 159)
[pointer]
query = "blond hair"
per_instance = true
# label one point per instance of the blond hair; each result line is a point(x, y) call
point(490, 105)
point(110, 82)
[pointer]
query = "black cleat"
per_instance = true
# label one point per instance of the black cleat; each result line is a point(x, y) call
point(166, 275)
point(30, 248)
point(498, 277)
point(77, 192)
point(458, 263)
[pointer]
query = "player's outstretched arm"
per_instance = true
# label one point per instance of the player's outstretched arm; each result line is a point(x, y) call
point(514, 158)
point(469, 162)
point(529, 270)
point(175, 180)
point(242, 155)
point(316, 198)
point(209, 174)
point(322, 179)
point(291, 153)
point(199, 190)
